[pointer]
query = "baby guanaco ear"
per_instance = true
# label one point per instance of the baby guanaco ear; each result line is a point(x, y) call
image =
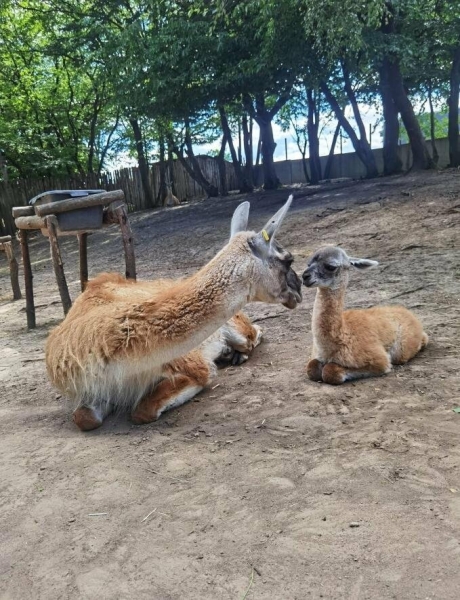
point(240, 219)
point(362, 263)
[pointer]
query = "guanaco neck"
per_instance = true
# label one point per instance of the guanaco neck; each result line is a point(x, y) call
point(328, 314)
point(223, 284)
point(194, 308)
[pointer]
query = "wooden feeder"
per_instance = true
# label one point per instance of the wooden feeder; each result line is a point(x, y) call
point(71, 212)
point(86, 218)
point(6, 245)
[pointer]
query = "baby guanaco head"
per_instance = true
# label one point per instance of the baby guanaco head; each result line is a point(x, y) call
point(272, 277)
point(329, 266)
point(250, 334)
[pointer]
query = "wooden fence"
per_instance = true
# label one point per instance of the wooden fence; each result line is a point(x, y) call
point(19, 192)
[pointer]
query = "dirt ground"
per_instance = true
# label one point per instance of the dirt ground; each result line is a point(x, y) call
point(251, 490)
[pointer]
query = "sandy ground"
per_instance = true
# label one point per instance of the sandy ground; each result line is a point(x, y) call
point(249, 492)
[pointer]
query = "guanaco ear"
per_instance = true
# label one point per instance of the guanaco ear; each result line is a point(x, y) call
point(272, 226)
point(240, 219)
point(362, 263)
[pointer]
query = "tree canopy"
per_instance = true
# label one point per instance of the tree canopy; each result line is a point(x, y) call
point(83, 81)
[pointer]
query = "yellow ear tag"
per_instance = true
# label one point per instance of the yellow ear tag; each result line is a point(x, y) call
point(265, 235)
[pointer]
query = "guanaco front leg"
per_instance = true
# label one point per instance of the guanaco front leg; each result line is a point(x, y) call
point(86, 418)
point(315, 369)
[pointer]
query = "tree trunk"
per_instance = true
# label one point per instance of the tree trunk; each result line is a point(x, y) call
point(106, 147)
point(313, 141)
point(256, 170)
point(171, 168)
point(434, 150)
point(243, 184)
point(361, 146)
point(305, 170)
point(92, 137)
point(268, 145)
point(453, 132)
point(143, 164)
point(264, 118)
point(330, 158)
point(354, 103)
point(248, 150)
point(192, 166)
point(208, 187)
point(303, 152)
point(420, 156)
point(240, 158)
point(194, 170)
point(162, 189)
point(392, 164)
point(222, 168)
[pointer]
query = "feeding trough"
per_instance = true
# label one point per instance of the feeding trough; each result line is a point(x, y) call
point(70, 212)
point(86, 218)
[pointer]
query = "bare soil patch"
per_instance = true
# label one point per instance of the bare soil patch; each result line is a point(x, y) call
point(251, 490)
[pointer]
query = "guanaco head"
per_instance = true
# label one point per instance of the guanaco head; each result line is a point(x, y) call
point(272, 278)
point(329, 266)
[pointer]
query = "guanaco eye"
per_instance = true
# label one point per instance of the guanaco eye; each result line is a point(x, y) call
point(330, 268)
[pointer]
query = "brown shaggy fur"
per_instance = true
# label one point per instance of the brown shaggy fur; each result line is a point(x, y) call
point(193, 371)
point(122, 339)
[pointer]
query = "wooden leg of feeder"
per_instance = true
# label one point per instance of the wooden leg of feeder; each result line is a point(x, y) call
point(51, 223)
point(14, 271)
point(83, 248)
point(28, 277)
point(128, 244)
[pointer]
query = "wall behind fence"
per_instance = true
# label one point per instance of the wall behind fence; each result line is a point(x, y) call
point(19, 192)
point(349, 165)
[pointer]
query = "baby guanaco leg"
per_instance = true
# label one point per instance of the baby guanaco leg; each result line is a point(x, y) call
point(184, 379)
point(168, 394)
point(335, 374)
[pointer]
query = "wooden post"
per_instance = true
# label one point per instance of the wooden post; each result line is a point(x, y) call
point(28, 277)
point(32, 223)
point(14, 271)
point(51, 224)
point(83, 251)
point(128, 245)
point(22, 211)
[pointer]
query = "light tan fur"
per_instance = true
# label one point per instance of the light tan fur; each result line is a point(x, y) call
point(171, 199)
point(122, 338)
point(353, 344)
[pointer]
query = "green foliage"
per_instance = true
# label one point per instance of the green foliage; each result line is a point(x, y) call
point(74, 72)
point(57, 110)
point(424, 119)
